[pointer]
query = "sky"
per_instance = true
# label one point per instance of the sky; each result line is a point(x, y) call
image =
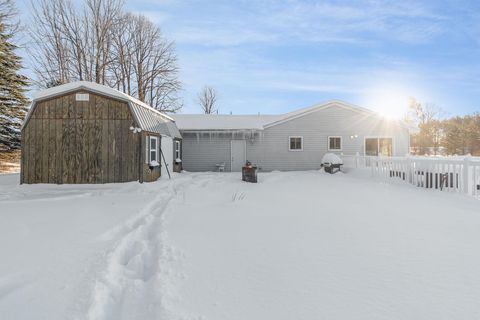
point(272, 56)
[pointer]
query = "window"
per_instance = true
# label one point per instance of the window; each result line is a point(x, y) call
point(82, 97)
point(151, 149)
point(177, 150)
point(296, 144)
point(379, 147)
point(334, 143)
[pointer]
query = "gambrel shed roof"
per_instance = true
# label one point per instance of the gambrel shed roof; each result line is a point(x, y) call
point(147, 118)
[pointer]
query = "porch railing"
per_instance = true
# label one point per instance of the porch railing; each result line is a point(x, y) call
point(451, 174)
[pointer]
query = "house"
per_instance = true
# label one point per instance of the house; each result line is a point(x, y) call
point(292, 141)
point(83, 132)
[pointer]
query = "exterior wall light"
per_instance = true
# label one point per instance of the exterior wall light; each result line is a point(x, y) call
point(135, 129)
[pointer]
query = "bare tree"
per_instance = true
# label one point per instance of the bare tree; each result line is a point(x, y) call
point(102, 44)
point(427, 118)
point(8, 16)
point(154, 65)
point(208, 100)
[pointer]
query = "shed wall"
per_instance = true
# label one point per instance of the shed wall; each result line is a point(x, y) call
point(68, 141)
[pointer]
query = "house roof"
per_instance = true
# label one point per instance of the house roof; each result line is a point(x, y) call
point(200, 122)
point(222, 121)
point(148, 118)
point(154, 121)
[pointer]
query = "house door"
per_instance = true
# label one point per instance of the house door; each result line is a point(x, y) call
point(167, 150)
point(238, 154)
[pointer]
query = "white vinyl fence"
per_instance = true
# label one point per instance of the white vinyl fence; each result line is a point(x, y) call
point(452, 174)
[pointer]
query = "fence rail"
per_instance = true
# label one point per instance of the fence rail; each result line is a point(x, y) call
point(451, 174)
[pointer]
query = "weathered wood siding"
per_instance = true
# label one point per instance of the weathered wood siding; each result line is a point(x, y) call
point(69, 141)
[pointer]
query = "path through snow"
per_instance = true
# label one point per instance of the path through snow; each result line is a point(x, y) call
point(136, 280)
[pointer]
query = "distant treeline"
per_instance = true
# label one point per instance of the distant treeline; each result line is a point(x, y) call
point(459, 135)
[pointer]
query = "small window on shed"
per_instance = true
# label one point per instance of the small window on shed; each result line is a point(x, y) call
point(153, 149)
point(295, 143)
point(82, 97)
point(334, 143)
point(177, 149)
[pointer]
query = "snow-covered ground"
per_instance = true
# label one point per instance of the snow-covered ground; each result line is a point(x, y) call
point(297, 245)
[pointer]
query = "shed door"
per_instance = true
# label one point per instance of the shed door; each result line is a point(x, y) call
point(167, 149)
point(238, 154)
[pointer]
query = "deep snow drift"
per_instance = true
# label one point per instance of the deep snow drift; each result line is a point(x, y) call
point(297, 245)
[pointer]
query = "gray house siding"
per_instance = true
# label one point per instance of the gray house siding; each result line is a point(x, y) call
point(272, 152)
point(202, 151)
point(270, 148)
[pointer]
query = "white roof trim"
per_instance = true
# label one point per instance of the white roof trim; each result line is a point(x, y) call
point(224, 122)
point(305, 111)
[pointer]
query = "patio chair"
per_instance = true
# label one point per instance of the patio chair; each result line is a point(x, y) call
point(220, 167)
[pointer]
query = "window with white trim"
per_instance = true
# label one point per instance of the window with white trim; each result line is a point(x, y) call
point(177, 149)
point(335, 143)
point(295, 143)
point(151, 149)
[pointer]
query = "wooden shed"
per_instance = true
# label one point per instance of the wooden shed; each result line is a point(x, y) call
point(83, 132)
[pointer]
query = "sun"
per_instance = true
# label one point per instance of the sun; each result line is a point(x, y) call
point(389, 101)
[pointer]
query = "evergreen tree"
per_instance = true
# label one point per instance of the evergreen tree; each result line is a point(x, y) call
point(12, 90)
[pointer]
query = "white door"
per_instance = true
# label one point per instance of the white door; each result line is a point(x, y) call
point(238, 154)
point(167, 150)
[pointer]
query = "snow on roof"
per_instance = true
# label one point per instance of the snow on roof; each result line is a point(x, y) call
point(154, 122)
point(148, 118)
point(257, 122)
point(95, 87)
point(222, 121)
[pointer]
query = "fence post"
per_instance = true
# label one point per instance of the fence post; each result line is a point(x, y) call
point(372, 166)
point(408, 171)
point(465, 169)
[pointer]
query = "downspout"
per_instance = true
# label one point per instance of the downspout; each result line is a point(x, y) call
point(140, 156)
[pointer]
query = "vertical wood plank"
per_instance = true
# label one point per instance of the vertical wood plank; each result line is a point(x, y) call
point(117, 154)
point(104, 151)
point(25, 155)
point(30, 160)
point(52, 150)
point(59, 150)
point(81, 154)
point(111, 152)
point(37, 149)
